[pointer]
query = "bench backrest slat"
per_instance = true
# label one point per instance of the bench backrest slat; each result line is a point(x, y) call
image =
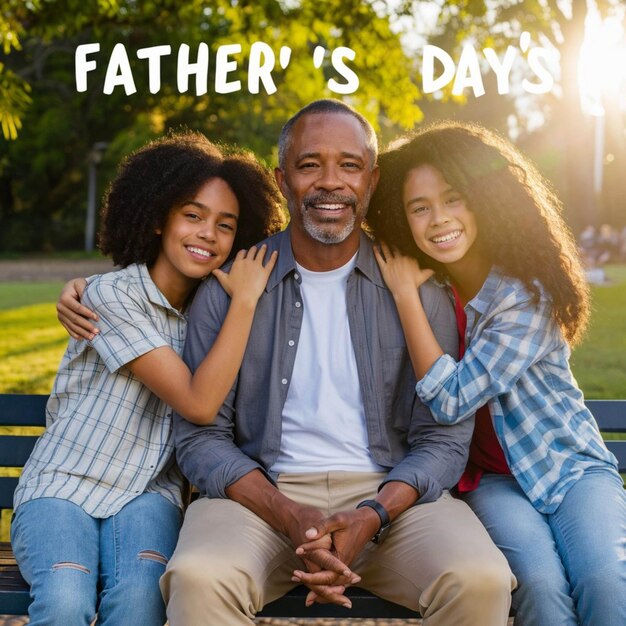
point(15, 449)
point(29, 410)
point(610, 414)
point(7, 489)
point(618, 448)
point(22, 410)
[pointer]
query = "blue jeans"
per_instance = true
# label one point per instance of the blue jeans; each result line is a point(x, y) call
point(570, 565)
point(77, 564)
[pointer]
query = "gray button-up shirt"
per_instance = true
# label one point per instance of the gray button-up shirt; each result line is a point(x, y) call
point(246, 434)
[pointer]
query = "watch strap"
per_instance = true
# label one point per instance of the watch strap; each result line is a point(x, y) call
point(380, 509)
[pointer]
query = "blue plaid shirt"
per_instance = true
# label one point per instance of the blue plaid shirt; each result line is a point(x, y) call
point(517, 362)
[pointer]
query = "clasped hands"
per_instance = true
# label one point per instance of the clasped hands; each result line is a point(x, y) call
point(330, 545)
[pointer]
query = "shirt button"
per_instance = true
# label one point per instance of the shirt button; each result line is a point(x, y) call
point(298, 305)
point(296, 276)
point(292, 342)
point(284, 381)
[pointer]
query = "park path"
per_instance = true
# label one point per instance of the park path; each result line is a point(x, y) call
point(45, 269)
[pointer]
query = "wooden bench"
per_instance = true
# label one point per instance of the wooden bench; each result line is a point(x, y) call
point(29, 410)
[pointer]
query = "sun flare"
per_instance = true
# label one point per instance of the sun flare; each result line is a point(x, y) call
point(602, 63)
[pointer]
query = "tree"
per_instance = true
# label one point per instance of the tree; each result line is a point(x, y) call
point(43, 170)
point(557, 23)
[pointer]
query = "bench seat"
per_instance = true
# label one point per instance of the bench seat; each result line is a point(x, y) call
point(29, 410)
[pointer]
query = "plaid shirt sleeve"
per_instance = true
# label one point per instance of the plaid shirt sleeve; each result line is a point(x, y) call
point(126, 329)
point(515, 334)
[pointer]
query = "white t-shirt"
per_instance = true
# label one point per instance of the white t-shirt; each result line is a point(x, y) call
point(323, 421)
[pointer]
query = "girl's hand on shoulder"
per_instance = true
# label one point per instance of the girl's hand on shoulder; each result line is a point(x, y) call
point(248, 275)
point(402, 274)
point(76, 318)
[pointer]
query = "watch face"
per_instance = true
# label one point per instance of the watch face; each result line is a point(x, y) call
point(381, 535)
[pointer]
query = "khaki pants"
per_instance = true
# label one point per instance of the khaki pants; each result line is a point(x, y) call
point(437, 558)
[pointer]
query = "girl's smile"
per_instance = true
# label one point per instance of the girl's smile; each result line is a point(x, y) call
point(201, 254)
point(447, 240)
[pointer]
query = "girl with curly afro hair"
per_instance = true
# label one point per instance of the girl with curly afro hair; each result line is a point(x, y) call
point(460, 202)
point(99, 503)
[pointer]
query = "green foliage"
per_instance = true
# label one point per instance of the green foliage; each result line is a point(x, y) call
point(14, 101)
point(43, 174)
point(57, 26)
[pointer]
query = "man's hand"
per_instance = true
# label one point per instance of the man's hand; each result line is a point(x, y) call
point(350, 531)
point(320, 558)
point(292, 520)
point(75, 317)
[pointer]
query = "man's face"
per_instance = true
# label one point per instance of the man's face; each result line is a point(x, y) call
point(328, 177)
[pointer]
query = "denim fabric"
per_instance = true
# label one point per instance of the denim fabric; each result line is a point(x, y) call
point(571, 564)
point(75, 562)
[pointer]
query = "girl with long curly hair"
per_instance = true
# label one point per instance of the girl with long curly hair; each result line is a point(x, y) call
point(99, 503)
point(461, 203)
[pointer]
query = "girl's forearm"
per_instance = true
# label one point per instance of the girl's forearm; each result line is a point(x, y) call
point(424, 349)
point(198, 397)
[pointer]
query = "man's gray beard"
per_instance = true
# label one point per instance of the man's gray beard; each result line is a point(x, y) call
point(324, 235)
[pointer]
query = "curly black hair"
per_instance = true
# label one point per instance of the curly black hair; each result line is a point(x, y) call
point(162, 175)
point(520, 226)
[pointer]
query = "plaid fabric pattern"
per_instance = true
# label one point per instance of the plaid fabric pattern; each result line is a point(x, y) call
point(517, 362)
point(108, 437)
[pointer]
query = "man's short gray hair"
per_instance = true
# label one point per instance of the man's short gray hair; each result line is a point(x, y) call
point(318, 107)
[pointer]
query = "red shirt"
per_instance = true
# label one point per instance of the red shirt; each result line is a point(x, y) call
point(485, 450)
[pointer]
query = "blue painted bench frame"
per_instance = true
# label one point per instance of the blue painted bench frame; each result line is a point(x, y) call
point(29, 410)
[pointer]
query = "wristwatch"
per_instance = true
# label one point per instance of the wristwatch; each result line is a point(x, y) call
point(385, 522)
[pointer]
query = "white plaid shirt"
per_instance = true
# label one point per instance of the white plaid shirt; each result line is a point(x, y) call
point(517, 362)
point(108, 437)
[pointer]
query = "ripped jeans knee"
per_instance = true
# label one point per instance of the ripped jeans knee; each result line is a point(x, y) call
point(153, 555)
point(70, 565)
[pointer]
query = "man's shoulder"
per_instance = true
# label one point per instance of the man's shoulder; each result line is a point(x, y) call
point(276, 240)
point(273, 242)
point(431, 290)
point(436, 301)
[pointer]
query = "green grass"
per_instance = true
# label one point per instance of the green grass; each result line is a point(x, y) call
point(20, 294)
point(599, 363)
point(32, 342)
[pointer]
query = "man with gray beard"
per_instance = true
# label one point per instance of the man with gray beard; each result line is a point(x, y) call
point(322, 467)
